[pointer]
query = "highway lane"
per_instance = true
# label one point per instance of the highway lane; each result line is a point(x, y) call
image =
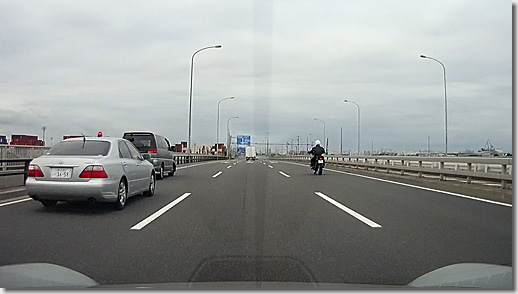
point(261, 209)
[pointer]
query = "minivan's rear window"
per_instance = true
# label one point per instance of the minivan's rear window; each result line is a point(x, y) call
point(80, 148)
point(143, 142)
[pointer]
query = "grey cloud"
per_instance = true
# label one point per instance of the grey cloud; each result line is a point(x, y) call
point(117, 66)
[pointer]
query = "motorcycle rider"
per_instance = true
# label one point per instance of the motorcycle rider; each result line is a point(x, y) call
point(316, 151)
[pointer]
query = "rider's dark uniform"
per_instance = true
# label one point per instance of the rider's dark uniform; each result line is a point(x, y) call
point(316, 151)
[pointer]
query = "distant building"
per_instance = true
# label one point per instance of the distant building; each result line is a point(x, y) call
point(3, 140)
point(27, 140)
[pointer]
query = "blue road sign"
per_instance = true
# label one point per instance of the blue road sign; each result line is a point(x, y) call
point(242, 142)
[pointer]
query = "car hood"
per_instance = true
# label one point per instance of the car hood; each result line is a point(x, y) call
point(461, 275)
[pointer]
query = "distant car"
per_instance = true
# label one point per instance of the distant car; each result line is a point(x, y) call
point(158, 148)
point(90, 169)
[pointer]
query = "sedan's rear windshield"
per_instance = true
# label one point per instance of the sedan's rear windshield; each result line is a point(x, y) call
point(143, 142)
point(80, 148)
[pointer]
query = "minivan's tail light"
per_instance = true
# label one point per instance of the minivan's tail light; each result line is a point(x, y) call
point(93, 171)
point(35, 171)
point(151, 150)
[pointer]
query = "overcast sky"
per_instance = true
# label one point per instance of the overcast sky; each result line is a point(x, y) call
point(115, 66)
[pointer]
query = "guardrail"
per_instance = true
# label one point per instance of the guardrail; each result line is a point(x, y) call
point(19, 166)
point(468, 168)
point(182, 158)
point(18, 151)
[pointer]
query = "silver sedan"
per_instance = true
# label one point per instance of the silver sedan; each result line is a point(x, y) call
point(90, 169)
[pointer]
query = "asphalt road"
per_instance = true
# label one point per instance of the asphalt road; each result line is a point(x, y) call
point(267, 220)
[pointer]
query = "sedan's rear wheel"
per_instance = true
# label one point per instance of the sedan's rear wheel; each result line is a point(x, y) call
point(173, 171)
point(152, 186)
point(161, 173)
point(122, 196)
point(49, 203)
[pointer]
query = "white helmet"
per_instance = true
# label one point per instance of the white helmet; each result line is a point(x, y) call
point(317, 142)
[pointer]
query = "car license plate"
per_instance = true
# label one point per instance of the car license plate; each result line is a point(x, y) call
point(320, 161)
point(61, 173)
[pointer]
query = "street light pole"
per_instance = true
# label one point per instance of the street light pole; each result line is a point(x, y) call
point(217, 131)
point(349, 101)
point(190, 97)
point(324, 129)
point(228, 132)
point(445, 103)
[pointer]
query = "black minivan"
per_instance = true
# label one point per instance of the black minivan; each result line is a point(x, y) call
point(159, 149)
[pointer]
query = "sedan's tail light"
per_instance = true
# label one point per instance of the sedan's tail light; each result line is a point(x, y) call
point(151, 150)
point(35, 171)
point(93, 171)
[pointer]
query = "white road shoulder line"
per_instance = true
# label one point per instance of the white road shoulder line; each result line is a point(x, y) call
point(349, 211)
point(229, 166)
point(417, 187)
point(217, 174)
point(16, 201)
point(12, 191)
point(198, 164)
point(285, 174)
point(161, 211)
point(270, 166)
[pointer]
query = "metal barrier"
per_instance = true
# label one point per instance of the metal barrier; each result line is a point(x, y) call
point(183, 158)
point(16, 151)
point(22, 167)
point(468, 168)
point(19, 166)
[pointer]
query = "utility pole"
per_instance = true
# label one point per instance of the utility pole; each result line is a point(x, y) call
point(341, 141)
point(44, 128)
point(267, 143)
point(428, 149)
point(298, 145)
point(372, 147)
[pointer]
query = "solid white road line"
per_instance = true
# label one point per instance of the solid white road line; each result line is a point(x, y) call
point(229, 166)
point(182, 167)
point(414, 186)
point(16, 201)
point(284, 174)
point(12, 191)
point(270, 166)
point(162, 210)
point(217, 174)
point(349, 211)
